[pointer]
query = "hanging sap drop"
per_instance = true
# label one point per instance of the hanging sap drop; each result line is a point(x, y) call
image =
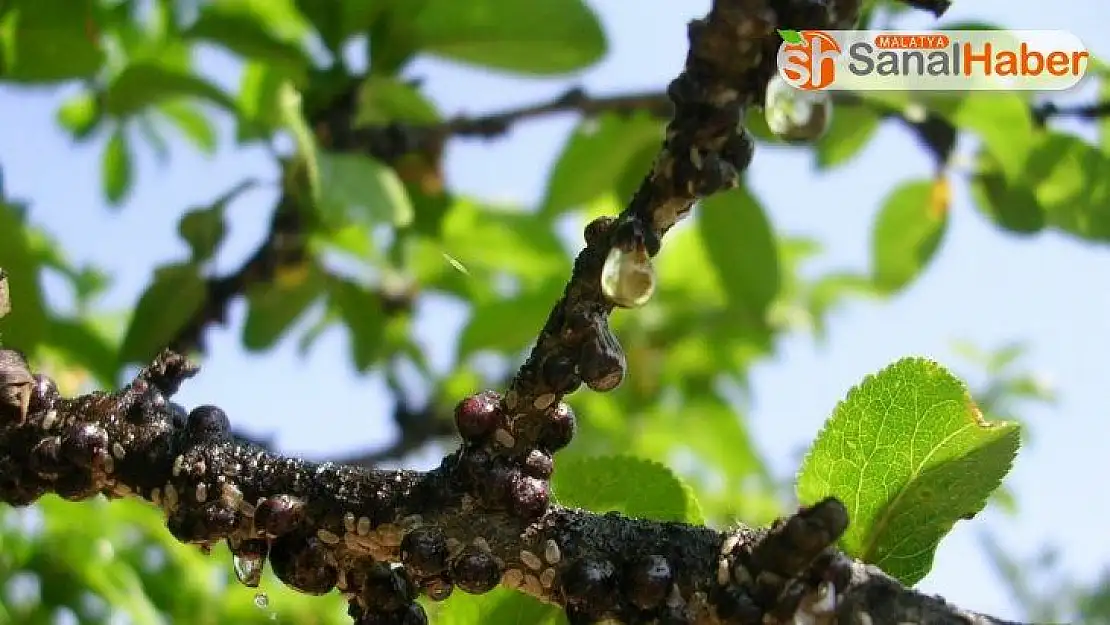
point(628, 278)
point(248, 569)
point(796, 115)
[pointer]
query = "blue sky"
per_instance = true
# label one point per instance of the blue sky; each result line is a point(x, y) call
point(983, 286)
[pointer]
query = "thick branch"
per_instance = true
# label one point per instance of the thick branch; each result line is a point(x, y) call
point(327, 526)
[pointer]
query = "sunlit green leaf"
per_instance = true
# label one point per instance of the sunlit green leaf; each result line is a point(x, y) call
point(632, 486)
point(116, 166)
point(174, 295)
point(1071, 181)
point(1001, 120)
point(251, 29)
point(192, 122)
point(141, 85)
point(257, 102)
point(43, 41)
point(908, 231)
point(357, 188)
point(337, 21)
point(909, 454)
point(383, 100)
point(507, 325)
point(80, 115)
point(500, 606)
point(537, 37)
point(595, 156)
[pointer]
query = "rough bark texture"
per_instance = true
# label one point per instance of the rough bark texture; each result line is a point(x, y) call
point(484, 516)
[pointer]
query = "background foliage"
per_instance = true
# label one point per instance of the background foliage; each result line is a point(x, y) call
point(382, 231)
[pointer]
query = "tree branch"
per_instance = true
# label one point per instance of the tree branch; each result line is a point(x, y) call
point(484, 516)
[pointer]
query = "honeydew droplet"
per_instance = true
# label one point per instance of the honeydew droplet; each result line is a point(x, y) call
point(248, 569)
point(261, 601)
point(628, 277)
point(796, 115)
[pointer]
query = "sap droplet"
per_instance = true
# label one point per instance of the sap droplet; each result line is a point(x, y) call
point(261, 601)
point(628, 278)
point(796, 115)
point(248, 569)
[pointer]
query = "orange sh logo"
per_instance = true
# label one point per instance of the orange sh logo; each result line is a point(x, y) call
point(807, 58)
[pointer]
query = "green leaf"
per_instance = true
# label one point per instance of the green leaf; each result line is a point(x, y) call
point(248, 29)
point(203, 229)
point(1104, 120)
point(500, 606)
point(361, 310)
point(338, 21)
point(80, 115)
point(274, 307)
point(1071, 180)
point(851, 128)
point(790, 36)
point(22, 261)
point(595, 156)
point(46, 41)
point(383, 99)
point(357, 188)
point(907, 232)
point(632, 486)
point(145, 84)
point(174, 296)
point(117, 169)
point(305, 170)
point(909, 454)
point(257, 102)
point(192, 123)
point(1011, 205)
point(1002, 121)
point(539, 37)
point(507, 325)
point(741, 245)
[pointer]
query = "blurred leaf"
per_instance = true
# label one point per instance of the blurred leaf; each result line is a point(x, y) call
point(84, 345)
point(500, 606)
point(204, 227)
point(116, 166)
point(1002, 121)
point(540, 37)
point(632, 486)
point(1011, 205)
point(383, 99)
point(45, 41)
point(637, 168)
point(741, 244)
point(192, 123)
point(21, 260)
point(595, 156)
point(908, 231)
point(361, 311)
point(251, 29)
point(175, 294)
point(507, 325)
point(1104, 120)
point(80, 115)
point(273, 308)
point(145, 84)
point(337, 21)
point(851, 128)
point(305, 168)
point(359, 189)
point(909, 453)
point(257, 102)
point(1071, 180)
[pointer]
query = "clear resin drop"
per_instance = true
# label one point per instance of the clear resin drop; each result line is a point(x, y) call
point(796, 115)
point(628, 278)
point(248, 569)
point(261, 601)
